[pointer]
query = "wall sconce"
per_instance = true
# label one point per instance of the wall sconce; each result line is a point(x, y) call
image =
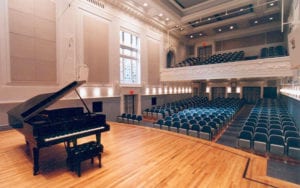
point(154, 90)
point(166, 90)
point(147, 91)
point(110, 92)
point(96, 92)
point(228, 89)
point(83, 92)
point(238, 89)
point(207, 89)
point(160, 90)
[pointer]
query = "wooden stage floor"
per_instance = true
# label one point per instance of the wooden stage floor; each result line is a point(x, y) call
point(136, 156)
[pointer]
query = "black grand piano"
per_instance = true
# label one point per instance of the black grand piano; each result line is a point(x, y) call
point(43, 128)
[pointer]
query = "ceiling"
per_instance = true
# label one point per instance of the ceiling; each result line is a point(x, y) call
point(194, 19)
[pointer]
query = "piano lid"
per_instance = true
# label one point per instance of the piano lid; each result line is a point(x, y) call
point(38, 103)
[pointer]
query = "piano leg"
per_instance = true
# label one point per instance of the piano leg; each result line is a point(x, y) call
point(36, 167)
point(98, 138)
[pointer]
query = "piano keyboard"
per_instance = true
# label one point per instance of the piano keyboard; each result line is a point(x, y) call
point(72, 134)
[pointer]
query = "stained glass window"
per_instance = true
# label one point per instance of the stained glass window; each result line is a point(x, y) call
point(129, 58)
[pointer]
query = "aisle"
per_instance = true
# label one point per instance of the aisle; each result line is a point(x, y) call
point(229, 137)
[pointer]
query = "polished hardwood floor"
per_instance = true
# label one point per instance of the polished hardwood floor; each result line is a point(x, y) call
point(136, 156)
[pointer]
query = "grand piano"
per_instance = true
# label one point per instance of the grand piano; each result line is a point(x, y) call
point(43, 128)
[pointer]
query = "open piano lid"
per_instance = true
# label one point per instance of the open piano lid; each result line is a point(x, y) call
point(36, 104)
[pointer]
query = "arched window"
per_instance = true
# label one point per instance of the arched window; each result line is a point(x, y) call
point(170, 59)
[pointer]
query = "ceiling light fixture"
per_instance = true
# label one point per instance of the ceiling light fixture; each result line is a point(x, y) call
point(231, 27)
point(167, 19)
point(191, 36)
point(219, 30)
point(145, 4)
point(241, 9)
point(271, 4)
point(160, 14)
point(271, 18)
point(255, 21)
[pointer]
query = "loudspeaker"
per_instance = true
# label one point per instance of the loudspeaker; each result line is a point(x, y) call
point(97, 106)
point(153, 101)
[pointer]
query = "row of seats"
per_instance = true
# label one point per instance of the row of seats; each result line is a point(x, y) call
point(165, 110)
point(203, 122)
point(214, 59)
point(273, 52)
point(270, 129)
point(129, 118)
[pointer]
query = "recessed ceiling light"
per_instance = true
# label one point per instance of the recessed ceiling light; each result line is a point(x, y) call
point(160, 14)
point(220, 30)
point(231, 27)
point(167, 19)
point(200, 34)
point(145, 4)
point(271, 18)
point(255, 21)
point(241, 9)
point(191, 36)
point(208, 19)
point(271, 4)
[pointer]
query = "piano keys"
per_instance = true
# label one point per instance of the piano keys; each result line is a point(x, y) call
point(43, 128)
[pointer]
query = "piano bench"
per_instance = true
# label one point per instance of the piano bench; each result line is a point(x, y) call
point(82, 152)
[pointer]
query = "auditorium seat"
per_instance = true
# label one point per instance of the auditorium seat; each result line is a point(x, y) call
point(245, 140)
point(184, 128)
point(132, 119)
point(206, 133)
point(158, 124)
point(195, 130)
point(260, 142)
point(289, 128)
point(138, 120)
point(248, 128)
point(175, 126)
point(276, 145)
point(261, 130)
point(276, 132)
point(289, 134)
point(293, 147)
point(166, 126)
point(120, 118)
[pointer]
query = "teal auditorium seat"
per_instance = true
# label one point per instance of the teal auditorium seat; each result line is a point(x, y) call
point(245, 140)
point(293, 147)
point(260, 142)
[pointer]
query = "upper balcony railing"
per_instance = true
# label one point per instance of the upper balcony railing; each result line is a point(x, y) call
point(258, 68)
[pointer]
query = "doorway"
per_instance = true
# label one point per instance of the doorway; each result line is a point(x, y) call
point(130, 104)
